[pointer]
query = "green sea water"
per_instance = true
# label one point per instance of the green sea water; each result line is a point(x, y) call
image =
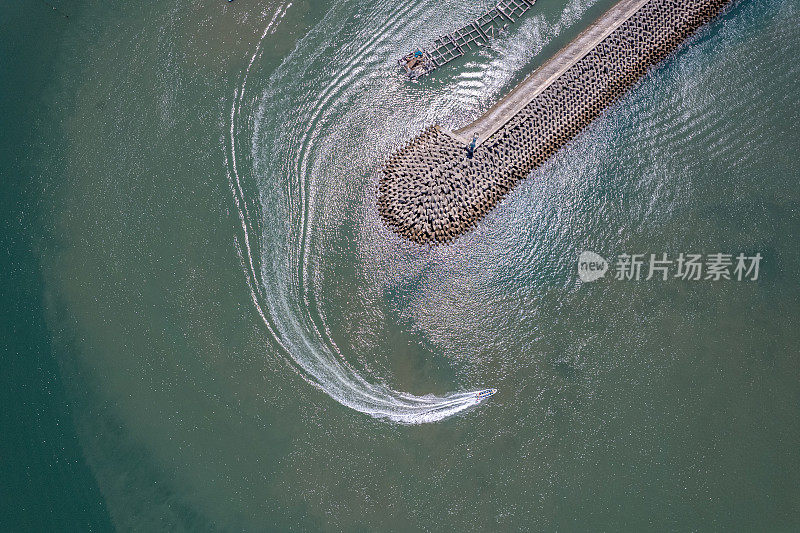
point(207, 327)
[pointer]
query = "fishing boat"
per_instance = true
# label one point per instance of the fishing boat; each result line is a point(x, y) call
point(417, 63)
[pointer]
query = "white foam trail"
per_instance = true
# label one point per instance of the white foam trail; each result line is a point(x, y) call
point(315, 358)
point(277, 267)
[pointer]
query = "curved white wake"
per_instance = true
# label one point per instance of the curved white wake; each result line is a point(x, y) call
point(277, 275)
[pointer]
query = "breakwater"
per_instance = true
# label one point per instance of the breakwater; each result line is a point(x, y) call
point(441, 183)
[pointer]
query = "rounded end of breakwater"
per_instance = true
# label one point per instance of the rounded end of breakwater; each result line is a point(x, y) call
point(430, 192)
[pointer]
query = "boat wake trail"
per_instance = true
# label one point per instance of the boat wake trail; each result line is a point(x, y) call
point(275, 145)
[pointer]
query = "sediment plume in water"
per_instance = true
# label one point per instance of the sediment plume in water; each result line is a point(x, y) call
point(430, 191)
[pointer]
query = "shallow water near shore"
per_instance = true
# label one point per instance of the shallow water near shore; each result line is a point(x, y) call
point(244, 346)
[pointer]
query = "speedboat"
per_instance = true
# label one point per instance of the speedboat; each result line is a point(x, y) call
point(485, 393)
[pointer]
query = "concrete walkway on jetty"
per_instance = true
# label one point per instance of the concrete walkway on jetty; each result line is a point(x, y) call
point(436, 187)
point(511, 104)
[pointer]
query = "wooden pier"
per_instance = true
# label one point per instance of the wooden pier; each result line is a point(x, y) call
point(453, 45)
point(441, 183)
